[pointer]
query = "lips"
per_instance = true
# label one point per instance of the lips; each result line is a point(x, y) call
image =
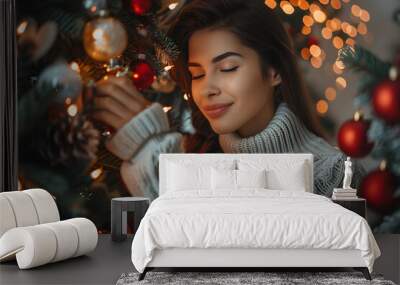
point(216, 110)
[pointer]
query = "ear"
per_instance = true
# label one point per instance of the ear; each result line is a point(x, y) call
point(275, 77)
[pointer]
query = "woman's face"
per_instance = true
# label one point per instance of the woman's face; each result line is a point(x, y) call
point(227, 83)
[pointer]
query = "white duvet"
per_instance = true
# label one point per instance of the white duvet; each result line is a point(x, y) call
point(252, 218)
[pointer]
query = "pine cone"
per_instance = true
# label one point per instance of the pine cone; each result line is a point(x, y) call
point(71, 138)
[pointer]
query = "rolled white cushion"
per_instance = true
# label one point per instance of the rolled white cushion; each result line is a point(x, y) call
point(87, 235)
point(7, 218)
point(40, 244)
point(66, 238)
point(23, 208)
point(33, 245)
point(45, 205)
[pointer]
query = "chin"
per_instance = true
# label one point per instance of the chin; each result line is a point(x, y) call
point(220, 128)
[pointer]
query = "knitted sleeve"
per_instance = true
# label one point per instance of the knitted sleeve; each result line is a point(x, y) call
point(139, 143)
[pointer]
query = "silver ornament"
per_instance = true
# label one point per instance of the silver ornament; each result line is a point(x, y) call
point(63, 80)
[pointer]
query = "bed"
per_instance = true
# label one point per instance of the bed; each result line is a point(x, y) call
point(246, 211)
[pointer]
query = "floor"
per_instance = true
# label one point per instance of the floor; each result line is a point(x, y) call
point(111, 259)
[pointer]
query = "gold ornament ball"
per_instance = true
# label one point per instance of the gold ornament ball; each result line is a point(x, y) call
point(104, 38)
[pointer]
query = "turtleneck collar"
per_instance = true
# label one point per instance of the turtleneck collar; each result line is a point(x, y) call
point(284, 133)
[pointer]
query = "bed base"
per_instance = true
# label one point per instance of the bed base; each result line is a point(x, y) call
point(243, 259)
point(142, 275)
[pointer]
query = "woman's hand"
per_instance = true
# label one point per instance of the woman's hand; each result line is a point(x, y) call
point(117, 101)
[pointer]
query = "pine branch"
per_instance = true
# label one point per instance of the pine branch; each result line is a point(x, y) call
point(70, 25)
point(360, 59)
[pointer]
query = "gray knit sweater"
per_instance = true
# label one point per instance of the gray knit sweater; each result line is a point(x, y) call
point(148, 134)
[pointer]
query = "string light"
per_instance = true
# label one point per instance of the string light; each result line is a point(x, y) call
point(96, 173)
point(322, 106)
point(286, 7)
point(166, 109)
point(308, 21)
point(341, 82)
point(172, 6)
point(305, 53)
point(330, 93)
point(270, 3)
point(72, 110)
point(22, 27)
point(315, 50)
point(335, 4)
point(75, 67)
point(326, 33)
point(185, 96)
point(337, 42)
point(336, 68)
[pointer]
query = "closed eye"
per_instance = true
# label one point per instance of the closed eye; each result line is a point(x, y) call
point(222, 70)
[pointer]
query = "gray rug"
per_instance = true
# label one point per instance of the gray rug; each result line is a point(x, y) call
point(230, 278)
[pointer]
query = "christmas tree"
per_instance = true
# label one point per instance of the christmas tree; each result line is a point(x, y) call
point(64, 49)
point(377, 135)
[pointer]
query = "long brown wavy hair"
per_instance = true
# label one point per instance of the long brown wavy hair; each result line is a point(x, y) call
point(258, 28)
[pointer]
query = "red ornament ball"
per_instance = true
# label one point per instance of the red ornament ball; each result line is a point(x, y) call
point(386, 101)
point(352, 138)
point(143, 75)
point(140, 7)
point(378, 188)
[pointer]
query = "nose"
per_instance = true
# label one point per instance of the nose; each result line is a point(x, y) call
point(209, 86)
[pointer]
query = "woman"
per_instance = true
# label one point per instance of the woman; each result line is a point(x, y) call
point(246, 93)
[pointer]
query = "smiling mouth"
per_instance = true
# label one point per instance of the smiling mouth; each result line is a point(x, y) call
point(217, 111)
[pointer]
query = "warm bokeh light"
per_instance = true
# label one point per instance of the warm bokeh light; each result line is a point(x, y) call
point(303, 5)
point(172, 6)
point(362, 29)
point(313, 8)
point(355, 10)
point(316, 62)
point(72, 110)
point(287, 8)
point(364, 16)
point(319, 16)
point(341, 82)
point(336, 68)
point(22, 27)
point(315, 50)
point(337, 42)
point(335, 4)
point(326, 33)
point(324, 2)
point(308, 20)
point(270, 3)
point(167, 108)
point(68, 101)
point(306, 30)
point(96, 173)
point(350, 42)
point(305, 53)
point(330, 93)
point(75, 67)
point(322, 106)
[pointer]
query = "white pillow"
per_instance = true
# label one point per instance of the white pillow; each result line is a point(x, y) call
point(281, 175)
point(235, 179)
point(181, 178)
point(223, 179)
point(187, 174)
point(251, 178)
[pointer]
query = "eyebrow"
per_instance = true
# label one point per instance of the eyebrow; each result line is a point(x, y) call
point(218, 58)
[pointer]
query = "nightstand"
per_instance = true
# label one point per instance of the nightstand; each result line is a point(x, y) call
point(357, 205)
point(119, 208)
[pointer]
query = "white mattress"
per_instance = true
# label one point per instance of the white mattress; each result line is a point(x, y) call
point(253, 218)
